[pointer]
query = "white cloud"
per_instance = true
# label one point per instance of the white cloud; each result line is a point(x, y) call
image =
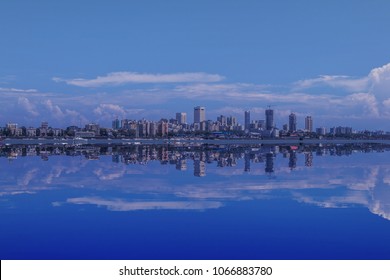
point(112, 108)
point(16, 90)
point(345, 82)
point(28, 106)
point(68, 115)
point(120, 78)
point(55, 110)
point(367, 100)
point(108, 112)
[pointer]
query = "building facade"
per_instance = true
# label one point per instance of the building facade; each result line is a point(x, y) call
point(309, 124)
point(292, 122)
point(269, 119)
point(199, 114)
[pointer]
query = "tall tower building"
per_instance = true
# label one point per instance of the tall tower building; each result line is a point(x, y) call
point(269, 119)
point(199, 114)
point(247, 119)
point(309, 124)
point(292, 122)
point(181, 118)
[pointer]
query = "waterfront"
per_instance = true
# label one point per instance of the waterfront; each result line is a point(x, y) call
point(200, 202)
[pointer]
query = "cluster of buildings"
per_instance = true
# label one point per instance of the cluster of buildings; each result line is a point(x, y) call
point(223, 125)
point(180, 126)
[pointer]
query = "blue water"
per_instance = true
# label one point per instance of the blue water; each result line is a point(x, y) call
point(161, 203)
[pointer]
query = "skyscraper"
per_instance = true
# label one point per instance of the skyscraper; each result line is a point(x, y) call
point(269, 119)
point(199, 114)
point(247, 119)
point(181, 118)
point(309, 124)
point(292, 122)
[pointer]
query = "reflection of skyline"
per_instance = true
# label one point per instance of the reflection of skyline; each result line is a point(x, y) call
point(134, 178)
point(225, 156)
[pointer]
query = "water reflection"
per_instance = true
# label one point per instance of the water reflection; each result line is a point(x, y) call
point(129, 178)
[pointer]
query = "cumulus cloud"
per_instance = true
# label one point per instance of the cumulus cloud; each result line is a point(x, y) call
point(71, 116)
point(28, 106)
point(55, 110)
point(107, 111)
point(367, 101)
point(120, 78)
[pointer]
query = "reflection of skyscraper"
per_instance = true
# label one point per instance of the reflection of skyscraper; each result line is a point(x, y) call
point(199, 168)
point(269, 119)
point(181, 164)
point(292, 122)
point(247, 158)
point(309, 159)
point(269, 163)
point(247, 119)
point(292, 163)
point(199, 114)
point(308, 124)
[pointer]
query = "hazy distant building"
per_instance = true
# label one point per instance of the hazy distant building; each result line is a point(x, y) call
point(92, 127)
point(199, 114)
point(321, 131)
point(44, 125)
point(269, 119)
point(232, 121)
point(162, 128)
point(309, 124)
point(222, 120)
point(31, 132)
point(116, 124)
point(247, 117)
point(181, 118)
point(292, 122)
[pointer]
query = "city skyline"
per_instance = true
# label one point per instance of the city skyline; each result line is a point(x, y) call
point(149, 60)
point(178, 123)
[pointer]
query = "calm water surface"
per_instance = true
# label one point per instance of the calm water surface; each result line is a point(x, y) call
point(159, 202)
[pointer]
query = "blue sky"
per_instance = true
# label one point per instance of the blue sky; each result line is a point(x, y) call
point(73, 62)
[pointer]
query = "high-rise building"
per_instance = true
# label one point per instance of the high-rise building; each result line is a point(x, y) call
point(116, 124)
point(199, 114)
point(292, 122)
point(181, 118)
point(222, 120)
point(247, 119)
point(269, 119)
point(309, 124)
point(232, 121)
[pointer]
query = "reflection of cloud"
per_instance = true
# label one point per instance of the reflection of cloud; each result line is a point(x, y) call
point(25, 180)
point(367, 183)
point(342, 201)
point(16, 193)
point(55, 173)
point(116, 174)
point(330, 183)
point(121, 205)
